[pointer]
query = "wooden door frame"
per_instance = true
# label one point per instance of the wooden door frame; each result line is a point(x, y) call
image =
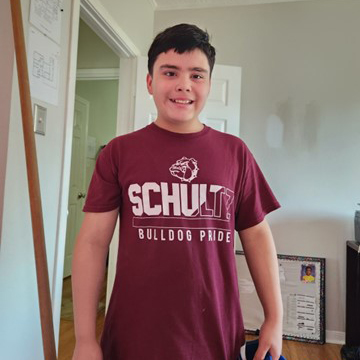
point(100, 21)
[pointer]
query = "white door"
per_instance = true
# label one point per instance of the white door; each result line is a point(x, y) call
point(77, 179)
point(222, 112)
point(222, 109)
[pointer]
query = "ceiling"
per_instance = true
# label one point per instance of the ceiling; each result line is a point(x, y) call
point(197, 4)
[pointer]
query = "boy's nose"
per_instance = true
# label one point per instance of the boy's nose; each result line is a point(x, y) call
point(183, 85)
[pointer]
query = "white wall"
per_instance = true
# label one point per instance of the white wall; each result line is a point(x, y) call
point(20, 325)
point(19, 310)
point(301, 63)
point(6, 71)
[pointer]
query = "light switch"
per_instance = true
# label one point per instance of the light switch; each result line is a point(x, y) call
point(39, 119)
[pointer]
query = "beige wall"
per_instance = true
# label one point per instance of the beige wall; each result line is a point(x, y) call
point(301, 66)
point(102, 96)
point(136, 17)
point(93, 53)
point(6, 73)
point(19, 312)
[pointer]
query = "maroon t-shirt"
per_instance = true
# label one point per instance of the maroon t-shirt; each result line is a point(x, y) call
point(180, 197)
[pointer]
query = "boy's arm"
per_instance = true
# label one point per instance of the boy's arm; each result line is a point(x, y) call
point(88, 268)
point(260, 253)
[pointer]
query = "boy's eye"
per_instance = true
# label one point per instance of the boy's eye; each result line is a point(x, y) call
point(169, 73)
point(197, 76)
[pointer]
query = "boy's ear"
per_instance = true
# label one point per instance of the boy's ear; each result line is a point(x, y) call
point(149, 83)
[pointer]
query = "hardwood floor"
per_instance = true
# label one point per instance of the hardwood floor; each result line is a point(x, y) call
point(292, 350)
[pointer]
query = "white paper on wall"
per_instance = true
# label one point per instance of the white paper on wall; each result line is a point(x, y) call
point(46, 16)
point(43, 65)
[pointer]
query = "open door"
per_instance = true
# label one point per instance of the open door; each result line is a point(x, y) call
point(77, 179)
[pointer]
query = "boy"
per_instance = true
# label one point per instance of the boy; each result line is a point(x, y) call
point(308, 277)
point(180, 189)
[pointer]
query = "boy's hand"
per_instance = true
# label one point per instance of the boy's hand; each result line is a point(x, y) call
point(270, 340)
point(87, 351)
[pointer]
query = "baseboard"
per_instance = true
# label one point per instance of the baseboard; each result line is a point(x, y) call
point(335, 337)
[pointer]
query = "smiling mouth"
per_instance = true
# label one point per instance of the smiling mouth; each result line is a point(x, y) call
point(184, 102)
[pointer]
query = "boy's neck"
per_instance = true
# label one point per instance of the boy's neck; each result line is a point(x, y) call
point(183, 128)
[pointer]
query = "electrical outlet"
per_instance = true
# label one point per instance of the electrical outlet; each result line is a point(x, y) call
point(40, 119)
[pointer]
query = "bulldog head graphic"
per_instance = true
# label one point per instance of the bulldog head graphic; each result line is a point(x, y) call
point(185, 169)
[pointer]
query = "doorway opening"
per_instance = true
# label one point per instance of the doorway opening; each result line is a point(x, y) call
point(94, 125)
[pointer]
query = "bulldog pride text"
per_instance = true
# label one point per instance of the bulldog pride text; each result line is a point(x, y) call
point(174, 212)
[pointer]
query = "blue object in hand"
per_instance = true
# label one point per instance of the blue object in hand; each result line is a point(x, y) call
point(250, 350)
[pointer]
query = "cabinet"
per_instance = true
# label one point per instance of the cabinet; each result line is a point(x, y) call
point(352, 294)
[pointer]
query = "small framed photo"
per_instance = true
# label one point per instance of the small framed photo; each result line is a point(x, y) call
point(308, 273)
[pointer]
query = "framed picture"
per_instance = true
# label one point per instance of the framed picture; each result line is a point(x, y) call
point(302, 281)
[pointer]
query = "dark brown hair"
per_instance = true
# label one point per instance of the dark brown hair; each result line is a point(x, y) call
point(182, 38)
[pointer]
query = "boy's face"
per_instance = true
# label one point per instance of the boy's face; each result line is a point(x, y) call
point(180, 84)
point(308, 271)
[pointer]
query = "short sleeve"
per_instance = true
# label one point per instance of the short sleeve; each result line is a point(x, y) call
point(104, 193)
point(256, 199)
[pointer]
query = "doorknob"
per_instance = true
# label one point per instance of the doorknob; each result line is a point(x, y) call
point(81, 195)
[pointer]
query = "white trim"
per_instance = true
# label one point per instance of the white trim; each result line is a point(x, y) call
point(126, 96)
point(65, 181)
point(335, 337)
point(97, 74)
point(125, 124)
point(153, 4)
point(103, 24)
point(206, 4)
